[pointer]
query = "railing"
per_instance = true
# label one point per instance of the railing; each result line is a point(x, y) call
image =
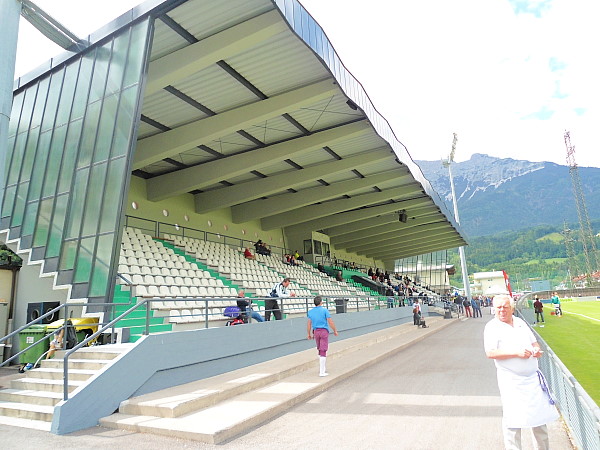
point(159, 229)
point(287, 305)
point(578, 409)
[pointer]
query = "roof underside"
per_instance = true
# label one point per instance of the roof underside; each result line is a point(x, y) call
point(241, 112)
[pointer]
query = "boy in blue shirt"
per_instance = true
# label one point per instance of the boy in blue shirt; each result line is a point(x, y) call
point(319, 321)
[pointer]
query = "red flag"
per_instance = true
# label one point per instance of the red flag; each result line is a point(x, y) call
point(507, 283)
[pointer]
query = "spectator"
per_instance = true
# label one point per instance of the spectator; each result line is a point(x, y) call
point(258, 247)
point(321, 268)
point(476, 303)
point(390, 297)
point(556, 302)
point(525, 396)
point(280, 290)
point(297, 256)
point(56, 343)
point(467, 305)
point(246, 307)
point(338, 276)
point(416, 312)
point(370, 273)
point(248, 254)
point(319, 322)
point(539, 310)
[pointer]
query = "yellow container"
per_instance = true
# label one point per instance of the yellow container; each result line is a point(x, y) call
point(84, 326)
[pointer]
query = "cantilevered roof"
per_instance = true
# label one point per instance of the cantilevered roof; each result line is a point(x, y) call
point(248, 106)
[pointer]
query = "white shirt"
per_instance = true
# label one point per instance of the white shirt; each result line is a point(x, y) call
point(501, 336)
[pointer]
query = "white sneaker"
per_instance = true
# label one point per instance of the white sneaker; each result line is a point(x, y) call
point(325, 374)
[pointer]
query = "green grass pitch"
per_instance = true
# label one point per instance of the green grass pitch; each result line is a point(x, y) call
point(575, 340)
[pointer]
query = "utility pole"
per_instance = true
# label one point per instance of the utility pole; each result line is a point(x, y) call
point(585, 228)
point(461, 250)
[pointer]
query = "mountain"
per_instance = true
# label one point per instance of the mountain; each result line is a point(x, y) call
point(496, 195)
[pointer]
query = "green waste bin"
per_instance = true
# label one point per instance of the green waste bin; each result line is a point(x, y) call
point(29, 336)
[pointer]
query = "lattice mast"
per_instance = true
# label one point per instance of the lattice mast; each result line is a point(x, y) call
point(572, 265)
point(586, 236)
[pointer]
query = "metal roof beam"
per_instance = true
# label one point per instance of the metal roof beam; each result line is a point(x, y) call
point(251, 190)
point(186, 137)
point(257, 209)
point(182, 63)
point(350, 228)
point(418, 248)
point(337, 206)
point(424, 232)
point(390, 230)
point(353, 216)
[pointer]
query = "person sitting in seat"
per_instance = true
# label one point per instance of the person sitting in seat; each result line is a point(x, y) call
point(245, 306)
point(248, 254)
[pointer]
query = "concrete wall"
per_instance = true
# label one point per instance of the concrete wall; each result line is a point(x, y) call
point(164, 360)
point(183, 205)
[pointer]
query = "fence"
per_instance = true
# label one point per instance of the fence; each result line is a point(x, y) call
point(578, 409)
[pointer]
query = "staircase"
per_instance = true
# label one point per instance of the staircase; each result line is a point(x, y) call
point(30, 401)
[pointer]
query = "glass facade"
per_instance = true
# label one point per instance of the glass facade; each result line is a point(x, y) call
point(70, 142)
point(428, 270)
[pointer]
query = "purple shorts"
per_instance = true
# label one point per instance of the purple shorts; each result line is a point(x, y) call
point(322, 340)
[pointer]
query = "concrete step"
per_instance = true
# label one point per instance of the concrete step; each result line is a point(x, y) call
point(231, 417)
point(45, 398)
point(25, 423)
point(27, 411)
point(50, 373)
point(103, 352)
point(85, 364)
point(39, 384)
point(189, 397)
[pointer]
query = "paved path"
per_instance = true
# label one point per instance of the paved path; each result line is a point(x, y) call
point(441, 393)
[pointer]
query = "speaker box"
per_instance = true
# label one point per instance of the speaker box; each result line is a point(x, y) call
point(37, 309)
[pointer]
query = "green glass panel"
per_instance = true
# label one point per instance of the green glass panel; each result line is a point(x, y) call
point(67, 255)
point(54, 160)
point(29, 156)
point(68, 93)
point(103, 55)
point(93, 202)
point(9, 198)
point(88, 138)
point(106, 128)
point(117, 63)
point(39, 167)
point(80, 99)
point(77, 203)
point(101, 268)
point(111, 203)
point(40, 103)
point(27, 112)
point(30, 218)
point(83, 268)
point(54, 93)
point(16, 218)
point(136, 53)
point(69, 156)
point(17, 159)
point(40, 236)
point(57, 226)
point(125, 122)
point(10, 145)
point(15, 113)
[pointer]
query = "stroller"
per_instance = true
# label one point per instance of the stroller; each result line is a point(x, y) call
point(236, 316)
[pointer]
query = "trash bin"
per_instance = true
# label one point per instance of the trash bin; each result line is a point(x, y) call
point(84, 326)
point(447, 311)
point(29, 336)
point(341, 305)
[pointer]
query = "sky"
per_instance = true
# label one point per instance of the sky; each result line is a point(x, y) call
point(508, 76)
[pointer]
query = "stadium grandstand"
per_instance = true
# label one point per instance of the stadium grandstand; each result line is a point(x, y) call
point(144, 160)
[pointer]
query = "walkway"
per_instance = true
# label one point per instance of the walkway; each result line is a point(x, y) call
point(439, 393)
